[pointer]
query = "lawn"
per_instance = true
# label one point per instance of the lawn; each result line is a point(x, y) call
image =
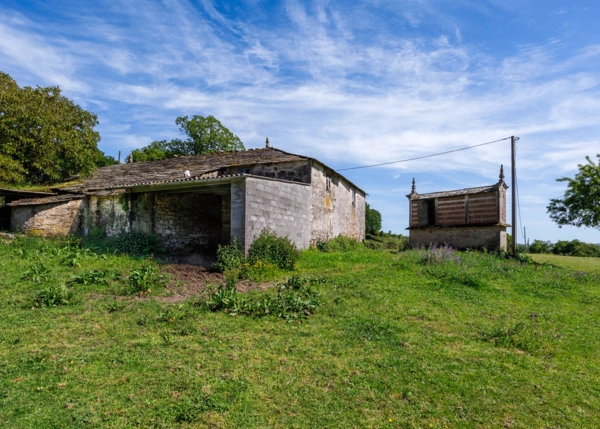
point(568, 262)
point(399, 340)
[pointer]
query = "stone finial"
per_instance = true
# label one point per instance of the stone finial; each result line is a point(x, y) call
point(414, 187)
point(186, 173)
point(267, 143)
point(501, 173)
point(130, 158)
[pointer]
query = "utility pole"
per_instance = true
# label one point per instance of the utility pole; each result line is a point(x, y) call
point(513, 178)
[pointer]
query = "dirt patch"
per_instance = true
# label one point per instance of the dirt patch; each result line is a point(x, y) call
point(189, 281)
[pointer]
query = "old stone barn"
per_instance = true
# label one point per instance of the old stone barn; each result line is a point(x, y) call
point(195, 203)
point(465, 218)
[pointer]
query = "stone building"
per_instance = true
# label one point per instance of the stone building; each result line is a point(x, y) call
point(195, 203)
point(465, 218)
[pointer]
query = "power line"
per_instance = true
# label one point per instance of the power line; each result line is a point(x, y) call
point(424, 156)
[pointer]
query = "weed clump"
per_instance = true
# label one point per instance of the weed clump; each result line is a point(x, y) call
point(53, 295)
point(143, 280)
point(295, 299)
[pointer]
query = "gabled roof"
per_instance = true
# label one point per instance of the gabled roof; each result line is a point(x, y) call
point(207, 166)
point(466, 191)
point(199, 166)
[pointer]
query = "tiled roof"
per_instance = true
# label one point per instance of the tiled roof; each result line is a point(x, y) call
point(466, 191)
point(173, 169)
point(46, 200)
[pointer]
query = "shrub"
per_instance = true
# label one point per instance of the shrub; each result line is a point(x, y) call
point(339, 243)
point(576, 248)
point(539, 246)
point(229, 257)
point(269, 247)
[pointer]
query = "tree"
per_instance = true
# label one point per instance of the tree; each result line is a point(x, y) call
point(204, 135)
point(44, 136)
point(372, 220)
point(580, 205)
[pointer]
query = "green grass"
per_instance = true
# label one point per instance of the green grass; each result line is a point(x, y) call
point(569, 262)
point(468, 341)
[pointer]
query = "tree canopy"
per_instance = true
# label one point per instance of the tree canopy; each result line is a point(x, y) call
point(44, 136)
point(204, 135)
point(372, 220)
point(580, 205)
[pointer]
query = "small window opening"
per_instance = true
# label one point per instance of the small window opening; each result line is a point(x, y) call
point(353, 198)
point(328, 184)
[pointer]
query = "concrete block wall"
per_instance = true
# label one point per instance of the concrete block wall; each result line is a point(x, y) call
point(283, 207)
point(47, 220)
point(336, 207)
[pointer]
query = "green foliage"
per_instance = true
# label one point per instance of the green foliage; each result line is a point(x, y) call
point(526, 336)
point(204, 135)
point(36, 273)
point(372, 220)
point(143, 280)
point(53, 295)
point(387, 241)
point(576, 248)
point(539, 246)
point(340, 243)
point(269, 247)
point(229, 257)
point(44, 136)
point(136, 244)
point(580, 205)
point(295, 299)
point(95, 277)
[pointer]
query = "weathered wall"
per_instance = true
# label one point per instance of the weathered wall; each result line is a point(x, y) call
point(492, 238)
point(110, 213)
point(187, 222)
point(184, 222)
point(333, 211)
point(292, 171)
point(55, 219)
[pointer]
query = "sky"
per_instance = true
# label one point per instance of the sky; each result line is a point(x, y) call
point(350, 83)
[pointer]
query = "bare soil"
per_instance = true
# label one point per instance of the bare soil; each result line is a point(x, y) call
point(189, 281)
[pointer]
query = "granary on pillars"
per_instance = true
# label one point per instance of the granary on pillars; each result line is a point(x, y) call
point(195, 203)
point(464, 218)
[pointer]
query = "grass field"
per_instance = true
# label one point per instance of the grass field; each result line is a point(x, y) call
point(568, 262)
point(399, 340)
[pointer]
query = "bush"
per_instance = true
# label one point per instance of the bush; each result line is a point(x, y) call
point(339, 243)
point(269, 247)
point(539, 246)
point(229, 257)
point(576, 248)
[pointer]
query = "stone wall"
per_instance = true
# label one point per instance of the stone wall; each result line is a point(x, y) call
point(337, 208)
point(47, 220)
point(493, 237)
point(188, 222)
point(111, 213)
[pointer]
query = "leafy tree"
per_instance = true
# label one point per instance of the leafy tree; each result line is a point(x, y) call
point(539, 246)
point(204, 135)
point(44, 136)
point(372, 220)
point(580, 205)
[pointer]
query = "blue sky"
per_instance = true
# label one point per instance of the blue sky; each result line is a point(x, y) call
point(351, 83)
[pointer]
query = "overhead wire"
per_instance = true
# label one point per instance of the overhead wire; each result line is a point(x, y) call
point(424, 156)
